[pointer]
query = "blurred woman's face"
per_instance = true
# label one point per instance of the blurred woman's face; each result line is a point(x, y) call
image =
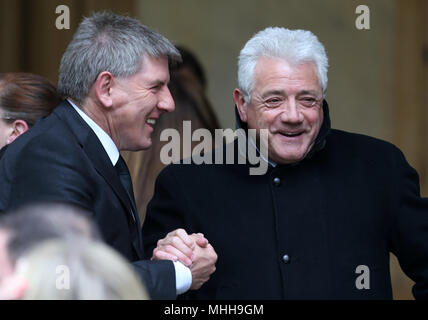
point(9, 131)
point(5, 131)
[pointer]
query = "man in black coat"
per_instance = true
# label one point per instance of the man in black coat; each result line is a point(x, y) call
point(114, 75)
point(321, 222)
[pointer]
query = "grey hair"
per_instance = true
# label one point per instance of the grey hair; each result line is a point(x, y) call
point(108, 42)
point(294, 46)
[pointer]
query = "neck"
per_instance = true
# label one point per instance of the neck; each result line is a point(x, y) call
point(96, 113)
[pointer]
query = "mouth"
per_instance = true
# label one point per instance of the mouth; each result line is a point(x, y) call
point(291, 134)
point(151, 121)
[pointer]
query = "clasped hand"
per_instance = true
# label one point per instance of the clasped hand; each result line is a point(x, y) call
point(194, 251)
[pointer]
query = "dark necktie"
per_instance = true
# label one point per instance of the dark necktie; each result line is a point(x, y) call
point(125, 179)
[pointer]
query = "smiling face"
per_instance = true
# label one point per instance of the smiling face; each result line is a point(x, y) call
point(139, 101)
point(287, 101)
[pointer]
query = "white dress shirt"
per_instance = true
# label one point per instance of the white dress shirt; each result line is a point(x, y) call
point(183, 276)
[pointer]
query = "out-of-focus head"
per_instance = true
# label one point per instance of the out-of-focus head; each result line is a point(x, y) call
point(6, 265)
point(188, 88)
point(190, 67)
point(120, 65)
point(34, 223)
point(76, 269)
point(24, 99)
point(22, 229)
point(282, 79)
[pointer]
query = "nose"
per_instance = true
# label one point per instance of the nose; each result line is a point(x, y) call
point(291, 113)
point(166, 102)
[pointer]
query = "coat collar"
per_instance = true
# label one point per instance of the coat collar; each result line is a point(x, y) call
point(320, 140)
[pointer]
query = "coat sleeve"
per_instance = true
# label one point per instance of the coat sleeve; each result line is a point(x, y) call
point(409, 233)
point(168, 210)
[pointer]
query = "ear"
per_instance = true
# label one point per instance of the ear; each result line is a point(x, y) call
point(240, 103)
point(103, 88)
point(18, 128)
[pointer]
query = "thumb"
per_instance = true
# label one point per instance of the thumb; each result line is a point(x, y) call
point(201, 240)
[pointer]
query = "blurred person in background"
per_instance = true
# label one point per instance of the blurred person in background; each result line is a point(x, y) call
point(188, 86)
point(23, 229)
point(24, 99)
point(74, 269)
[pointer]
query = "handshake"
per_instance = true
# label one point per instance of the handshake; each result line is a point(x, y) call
point(194, 251)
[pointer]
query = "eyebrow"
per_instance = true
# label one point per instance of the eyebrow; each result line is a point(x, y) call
point(157, 82)
point(283, 93)
point(274, 92)
point(312, 92)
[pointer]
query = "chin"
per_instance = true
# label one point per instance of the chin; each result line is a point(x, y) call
point(289, 157)
point(146, 145)
point(139, 146)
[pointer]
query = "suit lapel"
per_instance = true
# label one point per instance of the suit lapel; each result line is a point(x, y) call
point(102, 164)
point(104, 167)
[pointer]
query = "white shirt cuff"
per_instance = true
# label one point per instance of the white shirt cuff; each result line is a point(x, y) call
point(183, 277)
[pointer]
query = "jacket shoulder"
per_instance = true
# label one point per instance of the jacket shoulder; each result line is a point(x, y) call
point(358, 142)
point(48, 134)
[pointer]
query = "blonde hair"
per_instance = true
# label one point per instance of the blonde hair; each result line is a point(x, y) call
point(74, 269)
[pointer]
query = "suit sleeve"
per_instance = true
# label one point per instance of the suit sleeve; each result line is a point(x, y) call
point(410, 228)
point(158, 277)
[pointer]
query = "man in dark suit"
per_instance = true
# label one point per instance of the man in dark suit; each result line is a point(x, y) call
point(321, 222)
point(114, 75)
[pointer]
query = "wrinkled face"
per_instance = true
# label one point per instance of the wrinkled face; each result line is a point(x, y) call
point(140, 101)
point(287, 101)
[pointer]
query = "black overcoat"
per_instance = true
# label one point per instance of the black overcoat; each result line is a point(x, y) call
point(319, 229)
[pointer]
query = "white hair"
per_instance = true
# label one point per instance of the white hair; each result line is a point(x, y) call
point(294, 46)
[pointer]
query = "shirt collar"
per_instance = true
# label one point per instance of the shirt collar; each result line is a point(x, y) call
point(106, 141)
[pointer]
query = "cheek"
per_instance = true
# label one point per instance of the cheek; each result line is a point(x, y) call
point(260, 120)
point(4, 133)
point(314, 119)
